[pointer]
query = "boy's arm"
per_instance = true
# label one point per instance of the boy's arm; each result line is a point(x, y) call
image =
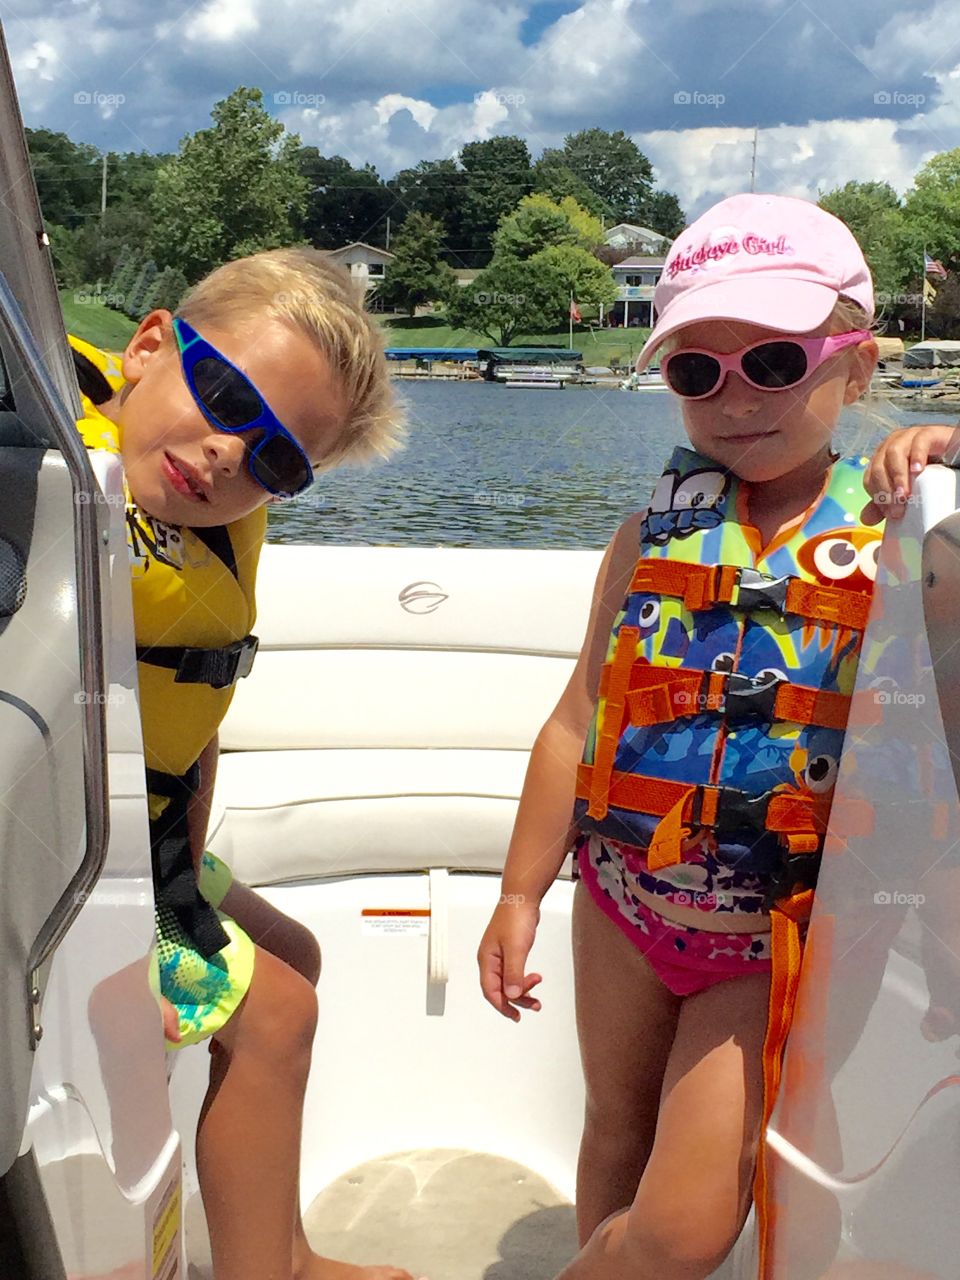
point(198, 809)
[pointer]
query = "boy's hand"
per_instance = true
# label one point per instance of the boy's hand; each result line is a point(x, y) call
point(502, 956)
point(900, 457)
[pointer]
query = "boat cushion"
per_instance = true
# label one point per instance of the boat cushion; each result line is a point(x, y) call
point(298, 815)
point(388, 720)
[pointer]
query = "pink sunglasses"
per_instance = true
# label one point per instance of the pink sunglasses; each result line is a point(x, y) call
point(773, 364)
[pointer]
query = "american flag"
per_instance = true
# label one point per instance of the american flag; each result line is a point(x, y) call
point(932, 267)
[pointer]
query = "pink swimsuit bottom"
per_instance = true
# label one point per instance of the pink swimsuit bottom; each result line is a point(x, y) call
point(685, 959)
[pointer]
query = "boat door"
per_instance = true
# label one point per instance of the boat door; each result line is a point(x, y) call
point(89, 1163)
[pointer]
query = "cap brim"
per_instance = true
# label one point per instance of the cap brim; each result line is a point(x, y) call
point(807, 306)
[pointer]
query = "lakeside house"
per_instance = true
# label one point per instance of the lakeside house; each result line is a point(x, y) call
point(366, 263)
point(636, 278)
point(637, 273)
point(642, 240)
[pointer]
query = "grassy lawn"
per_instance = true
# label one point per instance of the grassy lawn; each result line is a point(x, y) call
point(606, 346)
point(94, 323)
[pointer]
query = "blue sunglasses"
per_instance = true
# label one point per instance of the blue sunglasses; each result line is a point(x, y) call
point(230, 402)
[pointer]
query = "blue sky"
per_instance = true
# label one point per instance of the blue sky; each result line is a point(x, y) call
point(862, 89)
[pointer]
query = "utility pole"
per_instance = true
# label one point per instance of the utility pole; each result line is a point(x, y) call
point(388, 231)
point(753, 164)
point(103, 187)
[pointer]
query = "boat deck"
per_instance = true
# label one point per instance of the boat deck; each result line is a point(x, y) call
point(444, 1213)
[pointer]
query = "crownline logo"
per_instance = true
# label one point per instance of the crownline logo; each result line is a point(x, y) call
point(706, 252)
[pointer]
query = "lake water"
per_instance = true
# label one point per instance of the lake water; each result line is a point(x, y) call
point(487, 466)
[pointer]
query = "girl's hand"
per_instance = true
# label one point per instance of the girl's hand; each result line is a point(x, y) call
point(502, 956)
point(900, 457)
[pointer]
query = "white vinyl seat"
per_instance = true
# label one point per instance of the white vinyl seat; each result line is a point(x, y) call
point(389, 717)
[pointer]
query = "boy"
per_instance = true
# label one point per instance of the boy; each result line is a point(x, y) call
point(269, 372)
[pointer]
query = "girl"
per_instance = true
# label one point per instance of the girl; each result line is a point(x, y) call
point(696, 744)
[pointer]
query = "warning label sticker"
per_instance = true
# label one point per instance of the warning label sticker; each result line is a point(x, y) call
point(166, 1235)
point(387, 921)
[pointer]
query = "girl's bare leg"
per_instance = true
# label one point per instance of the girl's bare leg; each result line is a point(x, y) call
point(626, 1021)
point(695, 1192)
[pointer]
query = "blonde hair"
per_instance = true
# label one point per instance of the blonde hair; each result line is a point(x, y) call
point(301, 287)
point(874, 408)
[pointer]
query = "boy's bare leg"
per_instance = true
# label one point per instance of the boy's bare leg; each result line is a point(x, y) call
point(626, 1021)
point(696, 1190)
point(293, 944)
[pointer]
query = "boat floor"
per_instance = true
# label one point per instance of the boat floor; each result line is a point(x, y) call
point(440, 1213)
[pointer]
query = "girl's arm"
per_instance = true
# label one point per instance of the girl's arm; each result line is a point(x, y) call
point(544, 828)
point(198, 809)
point(901, 456)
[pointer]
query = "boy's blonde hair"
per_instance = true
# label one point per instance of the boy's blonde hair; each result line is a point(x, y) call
point(317, 297)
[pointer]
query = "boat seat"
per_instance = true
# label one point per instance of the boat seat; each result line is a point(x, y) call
point(389, 717)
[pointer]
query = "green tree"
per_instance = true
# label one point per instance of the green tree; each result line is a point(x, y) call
point(611, 166)
point(587, 279)
point(438, 189)
point(231, 190)
point(498, 175)
point(661, 212)
point(552, 177)
point(343, 204)
point(511, 298)
point(417, 274)
point(124, 271)
point(67, 259)
point(133, 303)
point(536, 222)
point(931, 212)
point(166, 291)
point(67, 175)
point(101, 239)
point(873, 213)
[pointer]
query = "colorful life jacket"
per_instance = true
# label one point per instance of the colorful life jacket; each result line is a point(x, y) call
point(725, 693)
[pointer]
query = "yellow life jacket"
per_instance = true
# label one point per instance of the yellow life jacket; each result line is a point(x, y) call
point(185, 598)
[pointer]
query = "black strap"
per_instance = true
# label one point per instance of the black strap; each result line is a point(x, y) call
point(91, 381)
point(174, 877)
point(219, 668)
point(217, 538)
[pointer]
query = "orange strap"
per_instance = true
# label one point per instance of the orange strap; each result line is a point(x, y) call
point(786, 949)
point(608, 731)
point(798, 818)
point(701, 586)
point(658, 695)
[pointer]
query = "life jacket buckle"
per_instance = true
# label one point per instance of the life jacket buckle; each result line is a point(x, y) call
point(733, 808)
point(747, 696)
point(219, 668)
point(794, 871)
point(756, 590)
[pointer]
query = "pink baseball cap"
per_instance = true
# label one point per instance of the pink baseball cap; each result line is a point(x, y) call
point(767, 260)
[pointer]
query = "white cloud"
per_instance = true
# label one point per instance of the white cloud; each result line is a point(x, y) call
point(40, 59)
point(388, 106)
point(223, 21)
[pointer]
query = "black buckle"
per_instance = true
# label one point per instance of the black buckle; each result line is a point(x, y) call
point(746, 696)
point(735, 808)
point(219, 668)
point(758, 590)
point(797, 870)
